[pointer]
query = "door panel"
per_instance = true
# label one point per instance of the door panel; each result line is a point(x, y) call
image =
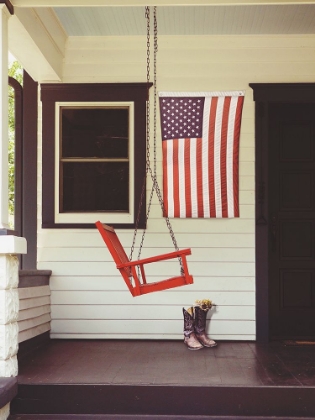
point(292, 221)
point(295, 190)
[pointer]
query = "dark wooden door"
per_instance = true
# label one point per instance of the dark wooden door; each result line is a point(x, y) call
point(292, 221)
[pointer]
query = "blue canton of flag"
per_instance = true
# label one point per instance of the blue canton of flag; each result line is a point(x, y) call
point(182, 117)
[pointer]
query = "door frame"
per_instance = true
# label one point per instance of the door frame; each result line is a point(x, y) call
point(264, 95)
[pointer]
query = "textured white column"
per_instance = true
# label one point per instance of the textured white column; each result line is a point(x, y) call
point(9, 312)
point(9, 367)
point(8, 341)
point(5, 412)
point(9, 306)
point(9, 265)
point(4, 211)
point(9, 303)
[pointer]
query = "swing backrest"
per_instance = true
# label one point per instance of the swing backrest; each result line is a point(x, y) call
point(113, 244)
point(136, 284)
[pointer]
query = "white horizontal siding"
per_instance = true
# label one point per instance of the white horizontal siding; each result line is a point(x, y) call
point(140, 312)
point(69, 238)
point(141, 336)
point(168, 329)
point(157, 270)
point(100, 254)
point(34, 302)
point(192, 71)
point(89, 298)
point(103, 283)
point(34, 313)
point(222, 55)
point(174, 297)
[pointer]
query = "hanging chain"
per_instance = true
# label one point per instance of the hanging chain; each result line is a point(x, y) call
point(156, 185)
point(153, 174)
point(148, 116)
point(147, 16)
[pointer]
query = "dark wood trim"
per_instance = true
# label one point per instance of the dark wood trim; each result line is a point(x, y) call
point(8, 390)
point(112, 91)
point(28, 346)
point(169, 400)
point(9, 6)
point(7, 232)
point(91, 92)
point(18, 141)
point(264, 95)
point(53, 225)
point(261, 238)
point(29, 171)
point(283, 92)
point(34, 278)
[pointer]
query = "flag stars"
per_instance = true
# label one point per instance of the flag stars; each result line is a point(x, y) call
point(181, 117)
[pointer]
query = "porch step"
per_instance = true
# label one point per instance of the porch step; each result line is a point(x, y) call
point(131, 402)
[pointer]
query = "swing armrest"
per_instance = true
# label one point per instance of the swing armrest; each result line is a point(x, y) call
point(162, 257)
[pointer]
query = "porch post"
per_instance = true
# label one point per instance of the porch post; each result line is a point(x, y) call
point(4, 208)
point(10, 245)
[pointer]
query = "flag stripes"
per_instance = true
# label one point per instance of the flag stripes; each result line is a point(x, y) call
point(200, 174)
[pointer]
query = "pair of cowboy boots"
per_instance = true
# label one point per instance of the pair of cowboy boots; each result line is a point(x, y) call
point(195, 336)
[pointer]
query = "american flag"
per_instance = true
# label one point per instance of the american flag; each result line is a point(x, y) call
point(200, 133)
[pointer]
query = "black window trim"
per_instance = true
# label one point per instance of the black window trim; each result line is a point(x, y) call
point(91, 92)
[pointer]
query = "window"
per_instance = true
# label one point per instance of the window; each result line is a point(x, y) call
point(96, 134)
point(94, 162)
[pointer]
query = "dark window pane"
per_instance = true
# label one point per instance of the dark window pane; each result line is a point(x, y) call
point(94, 132)
point(90, 187)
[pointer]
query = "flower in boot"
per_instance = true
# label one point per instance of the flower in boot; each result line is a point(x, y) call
point(204, 304)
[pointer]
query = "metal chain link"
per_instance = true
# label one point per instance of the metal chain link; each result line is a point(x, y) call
point(147, 16)
point(153, 173)
point(148, 116)
point(156, 186)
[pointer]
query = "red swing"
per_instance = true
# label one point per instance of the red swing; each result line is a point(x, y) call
point(137, 282)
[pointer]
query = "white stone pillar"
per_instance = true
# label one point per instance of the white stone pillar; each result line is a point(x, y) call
point(10, 246)
point(4, 208)
point(5, 412)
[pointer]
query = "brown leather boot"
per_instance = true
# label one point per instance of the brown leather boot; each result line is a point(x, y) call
point(200, 327)
point(189, 335)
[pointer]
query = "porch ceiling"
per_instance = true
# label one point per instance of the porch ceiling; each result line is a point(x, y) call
point(39, 29)
point(190, 20)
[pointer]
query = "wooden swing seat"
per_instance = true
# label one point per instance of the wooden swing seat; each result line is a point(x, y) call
point(128, 269)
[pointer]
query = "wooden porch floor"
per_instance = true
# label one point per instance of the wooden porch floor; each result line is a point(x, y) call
point(151, 377)
point(168, 363)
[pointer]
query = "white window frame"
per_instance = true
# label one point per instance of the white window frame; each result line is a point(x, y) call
point(91, 217)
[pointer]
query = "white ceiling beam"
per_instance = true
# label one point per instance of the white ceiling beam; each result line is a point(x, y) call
point(34, 46)
point(133, 3)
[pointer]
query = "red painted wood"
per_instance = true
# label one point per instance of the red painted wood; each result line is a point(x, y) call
point(139, 286)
